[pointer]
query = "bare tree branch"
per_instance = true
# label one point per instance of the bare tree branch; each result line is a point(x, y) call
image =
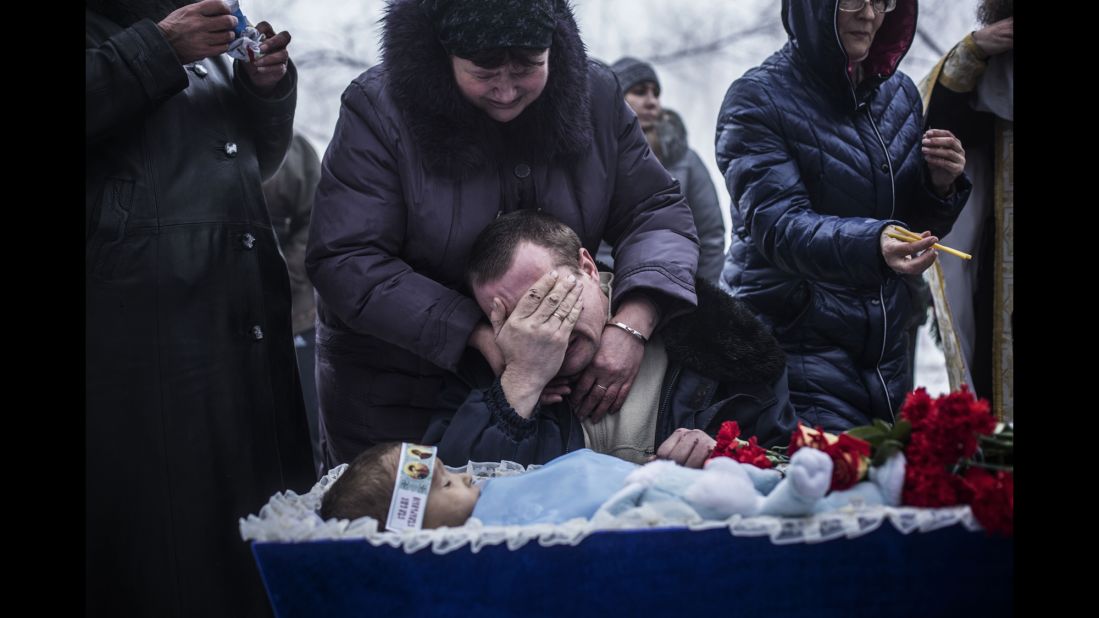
point(930, 42)
point(766, 28)
point(329, 57)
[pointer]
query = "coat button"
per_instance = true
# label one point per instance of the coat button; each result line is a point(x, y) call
point(874, 301)
point(885, 167)
point(230, 149)
point(522, 170)
point(257, 332)
point(199, 70)
point(247, 240)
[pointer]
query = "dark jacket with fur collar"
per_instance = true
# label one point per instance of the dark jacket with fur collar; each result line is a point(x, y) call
point(414, 172)
point(723, 365)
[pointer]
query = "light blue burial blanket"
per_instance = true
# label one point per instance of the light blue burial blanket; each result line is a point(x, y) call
point(581, 483)
point(570, 486)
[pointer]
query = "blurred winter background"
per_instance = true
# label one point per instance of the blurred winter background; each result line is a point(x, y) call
point(698, 48)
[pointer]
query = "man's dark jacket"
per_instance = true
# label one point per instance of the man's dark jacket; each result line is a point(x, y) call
point(722, 366)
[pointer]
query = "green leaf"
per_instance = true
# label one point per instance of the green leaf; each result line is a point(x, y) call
point(875, 441)
point(777, 454)
point(866, 432)
point(885, 451)
point(882, 425)
point(901, 431)
point(879, 458)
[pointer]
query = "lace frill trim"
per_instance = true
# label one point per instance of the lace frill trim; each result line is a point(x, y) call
point(291, 518)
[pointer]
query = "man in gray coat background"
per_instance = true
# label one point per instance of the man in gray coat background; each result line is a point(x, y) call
point(667, 136)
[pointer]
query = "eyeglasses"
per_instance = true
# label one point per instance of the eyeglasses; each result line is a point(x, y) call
point(880, 6)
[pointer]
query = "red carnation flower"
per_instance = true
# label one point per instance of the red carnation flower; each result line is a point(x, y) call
point(960, 418)
point(930, 486)
point(849, 461)
point(751, 453)
point(726, 438)
point(850, 455)
point(992, 499)
point(812, 438)
point(917, 406)
point(745, 452)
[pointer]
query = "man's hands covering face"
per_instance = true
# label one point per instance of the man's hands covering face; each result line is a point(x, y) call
point(533, 339)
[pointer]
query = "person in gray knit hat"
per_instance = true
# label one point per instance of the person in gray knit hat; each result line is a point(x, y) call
point(667, 136)
point(479, 107)
point(631, 71)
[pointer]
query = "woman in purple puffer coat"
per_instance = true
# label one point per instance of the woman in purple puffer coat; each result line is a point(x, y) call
point(479, 107)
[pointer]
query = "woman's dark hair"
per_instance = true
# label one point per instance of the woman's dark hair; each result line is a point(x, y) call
point(499, 56)
point(494, 249)
point(366, 487)
point(992, 11)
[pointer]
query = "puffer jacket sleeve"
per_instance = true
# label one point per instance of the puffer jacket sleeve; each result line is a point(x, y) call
point(270, 116)
point(766, 189)
point(128, 75)
point(650, 226)
point(937, 213)
point(702, 199)
point(487, 428)
point(356, 234)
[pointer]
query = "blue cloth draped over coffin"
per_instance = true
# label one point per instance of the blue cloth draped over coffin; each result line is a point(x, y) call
point(767, 566)
point(656, 572)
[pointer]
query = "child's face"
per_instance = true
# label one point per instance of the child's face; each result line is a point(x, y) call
point(452, 498)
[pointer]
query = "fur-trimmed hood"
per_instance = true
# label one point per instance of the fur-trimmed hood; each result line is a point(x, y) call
point(723, 339)
point(452, 135)
point(668, 138)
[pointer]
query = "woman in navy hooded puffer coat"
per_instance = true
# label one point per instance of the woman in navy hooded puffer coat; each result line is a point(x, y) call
point(820, 154)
